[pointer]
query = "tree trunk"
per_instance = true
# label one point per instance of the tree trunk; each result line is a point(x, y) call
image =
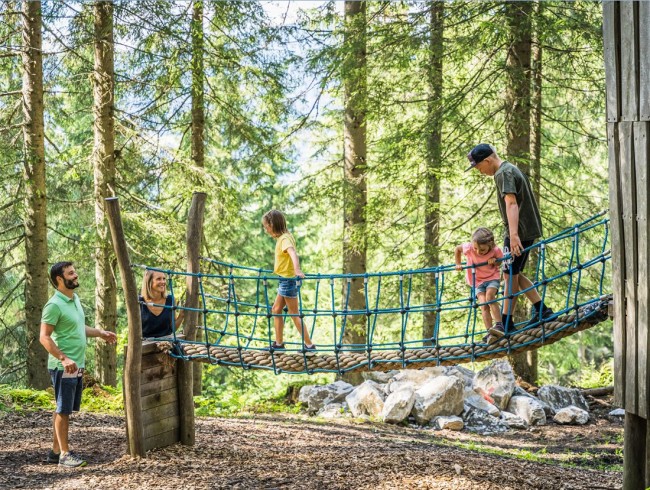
point(354, 74)
point(198, 124)
point(36, 260)
point(433, 164)
point(518, 131)
point(103, 159)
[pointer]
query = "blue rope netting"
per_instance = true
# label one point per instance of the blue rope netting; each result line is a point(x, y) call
point(570, 273)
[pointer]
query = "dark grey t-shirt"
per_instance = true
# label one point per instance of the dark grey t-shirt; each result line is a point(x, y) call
point(510, 180)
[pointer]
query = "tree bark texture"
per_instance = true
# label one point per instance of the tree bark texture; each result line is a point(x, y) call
point(133, 361)
point(194, 235)
point(36, 253)
point(198, 125)
point(518, 131)
point(103, 159)
point(354, 74)
point(433, 162)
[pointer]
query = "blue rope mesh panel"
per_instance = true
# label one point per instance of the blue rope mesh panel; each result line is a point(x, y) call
point(236, 318)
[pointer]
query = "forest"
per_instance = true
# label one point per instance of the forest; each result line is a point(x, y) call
point(353, 118)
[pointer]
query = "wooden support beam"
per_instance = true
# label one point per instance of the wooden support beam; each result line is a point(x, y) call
point(634, 452)
point(132, 397)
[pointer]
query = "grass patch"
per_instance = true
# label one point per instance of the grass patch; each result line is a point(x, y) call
point(103, 399)
point(21, 399)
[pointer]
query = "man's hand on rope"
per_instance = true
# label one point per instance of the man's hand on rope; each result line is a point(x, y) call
point(515, 245)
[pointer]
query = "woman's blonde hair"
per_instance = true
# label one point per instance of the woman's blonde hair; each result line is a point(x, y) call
point(484, 236)
point(147, 282)
point(276, 221)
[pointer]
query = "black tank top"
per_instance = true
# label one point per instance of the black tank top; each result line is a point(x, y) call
point(156, 325)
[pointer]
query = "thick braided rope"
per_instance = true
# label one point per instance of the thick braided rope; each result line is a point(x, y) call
point(520, 341)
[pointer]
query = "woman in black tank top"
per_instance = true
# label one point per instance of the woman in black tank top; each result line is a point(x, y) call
point(156, 318)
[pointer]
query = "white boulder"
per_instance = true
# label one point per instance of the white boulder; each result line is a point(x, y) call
point(366, 399)
point(529, 409)
point(398, 406)
point(440, 396)
point(496, 383)
point(571, 416)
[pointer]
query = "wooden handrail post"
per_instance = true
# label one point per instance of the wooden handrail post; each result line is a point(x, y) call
point(132, 400)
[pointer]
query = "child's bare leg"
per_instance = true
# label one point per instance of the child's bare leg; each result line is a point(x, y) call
point(495, 309)
point(292, 305)
point(278, 318)
point(485, 311)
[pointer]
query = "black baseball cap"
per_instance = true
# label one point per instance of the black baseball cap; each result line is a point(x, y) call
point(478, 154)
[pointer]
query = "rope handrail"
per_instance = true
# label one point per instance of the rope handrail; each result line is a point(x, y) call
point(237, 321)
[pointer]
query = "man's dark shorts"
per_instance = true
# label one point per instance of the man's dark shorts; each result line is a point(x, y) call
point(67, 392)
point(515, 265)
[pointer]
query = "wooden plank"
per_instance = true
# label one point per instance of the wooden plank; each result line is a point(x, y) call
point(160, 398)
point(162, 440)
point(155, 359)
point(612, 51)
point(626, 142)
point(644, 61)
point(634, 452)
point(158, 385)
point(629, 15)
point(155, 427)
point(159, 372)
point(618, 262)
point(160, 412)
point(641, 161)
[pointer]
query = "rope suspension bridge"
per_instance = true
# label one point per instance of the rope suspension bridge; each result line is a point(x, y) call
point(237, 320)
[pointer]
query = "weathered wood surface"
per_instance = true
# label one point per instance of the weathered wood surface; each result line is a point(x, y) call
point(643, 237)
point(160, 398)
point(634, 451)
point(159, 426)
point(644, 61)
point(162, 440)
point(629, 93)
point(628, 177)
point(612, 39)
point(618, 263)
point(158, 385)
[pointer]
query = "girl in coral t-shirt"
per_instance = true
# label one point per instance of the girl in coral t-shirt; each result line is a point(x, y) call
point(484, 279)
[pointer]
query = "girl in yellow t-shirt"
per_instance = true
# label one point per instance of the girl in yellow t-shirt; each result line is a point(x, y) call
point(287, 266)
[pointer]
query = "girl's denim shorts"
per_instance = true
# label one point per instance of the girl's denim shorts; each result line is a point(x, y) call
point(481, 288)
point(288, 288)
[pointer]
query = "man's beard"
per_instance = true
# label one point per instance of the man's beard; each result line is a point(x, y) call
point(71, 284)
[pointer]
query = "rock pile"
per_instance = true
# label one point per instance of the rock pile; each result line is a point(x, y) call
point(452, 398)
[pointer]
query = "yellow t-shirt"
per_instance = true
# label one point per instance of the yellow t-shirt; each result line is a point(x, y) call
point(283, 264)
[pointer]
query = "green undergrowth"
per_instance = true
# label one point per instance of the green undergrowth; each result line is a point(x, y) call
point(237, 392)
point(102, 399)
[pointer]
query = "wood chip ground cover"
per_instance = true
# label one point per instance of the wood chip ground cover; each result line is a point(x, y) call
point(294, 451)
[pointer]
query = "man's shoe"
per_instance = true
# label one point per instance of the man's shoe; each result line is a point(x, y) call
point(71, 460)
point(546, 313)
point(52, 457)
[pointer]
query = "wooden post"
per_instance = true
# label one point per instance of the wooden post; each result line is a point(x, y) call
point(186, 383)
point(132, 397)
point(626, 48)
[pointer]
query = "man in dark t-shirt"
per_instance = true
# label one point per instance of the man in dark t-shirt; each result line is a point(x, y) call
point(522, 223)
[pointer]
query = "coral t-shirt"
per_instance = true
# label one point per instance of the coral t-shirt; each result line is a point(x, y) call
point(483, 272)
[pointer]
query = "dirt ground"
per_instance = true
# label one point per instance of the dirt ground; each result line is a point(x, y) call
point(293, 451)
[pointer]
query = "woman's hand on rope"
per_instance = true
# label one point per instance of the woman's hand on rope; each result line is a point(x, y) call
point(459, 267)
point(300, 274)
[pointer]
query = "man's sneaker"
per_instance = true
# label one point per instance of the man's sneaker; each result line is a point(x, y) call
point(71, 460)
point(497, 330)
point(52, 457)
point(546, 313)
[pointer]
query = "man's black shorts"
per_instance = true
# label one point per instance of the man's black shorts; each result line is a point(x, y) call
point(515, 265)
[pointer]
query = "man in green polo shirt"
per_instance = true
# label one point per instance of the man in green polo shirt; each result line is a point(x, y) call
point(63, 334)
point(523, 225)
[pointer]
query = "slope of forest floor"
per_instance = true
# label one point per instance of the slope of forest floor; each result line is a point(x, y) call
point(293, 451)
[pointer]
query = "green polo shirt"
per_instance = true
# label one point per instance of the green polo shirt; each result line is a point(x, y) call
point(67, 317)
